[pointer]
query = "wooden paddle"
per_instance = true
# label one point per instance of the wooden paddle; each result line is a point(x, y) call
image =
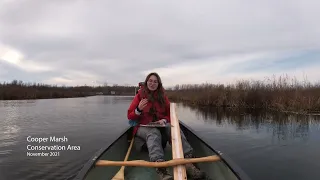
point(179, 171)
point(120, 174)
point(174, 162)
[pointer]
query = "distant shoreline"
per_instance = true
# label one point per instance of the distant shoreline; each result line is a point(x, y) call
point(60, 97)
point(17, 90)
point(282, 94)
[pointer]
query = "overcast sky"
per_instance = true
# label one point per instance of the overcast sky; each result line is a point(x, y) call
point(77, 42)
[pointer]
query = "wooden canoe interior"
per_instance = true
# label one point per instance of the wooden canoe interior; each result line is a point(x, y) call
point(215, 170)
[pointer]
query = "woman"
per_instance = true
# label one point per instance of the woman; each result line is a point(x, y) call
point(151, 105)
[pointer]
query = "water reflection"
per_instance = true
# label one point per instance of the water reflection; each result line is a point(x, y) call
point(283, 127)
point(17, 103)
point(9, 129)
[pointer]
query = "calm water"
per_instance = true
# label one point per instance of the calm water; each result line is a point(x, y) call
point(266, 146)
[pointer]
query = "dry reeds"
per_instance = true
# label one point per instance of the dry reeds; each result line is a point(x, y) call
point(283, 94)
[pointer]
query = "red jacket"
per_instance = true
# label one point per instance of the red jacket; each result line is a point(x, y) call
point(163, 112)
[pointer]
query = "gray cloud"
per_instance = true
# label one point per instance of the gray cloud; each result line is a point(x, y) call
point(118, 41)
point(9, 72)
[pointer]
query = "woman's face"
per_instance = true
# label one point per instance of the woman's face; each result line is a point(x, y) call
point(152, 83)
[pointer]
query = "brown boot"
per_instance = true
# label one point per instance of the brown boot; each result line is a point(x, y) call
point(163, 172)
point(193, 172)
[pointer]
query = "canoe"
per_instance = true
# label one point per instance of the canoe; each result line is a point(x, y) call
point(224, 169)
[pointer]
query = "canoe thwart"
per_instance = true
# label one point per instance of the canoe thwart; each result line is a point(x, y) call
point(173, 162)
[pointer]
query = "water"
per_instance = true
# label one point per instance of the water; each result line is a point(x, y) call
point(265, 145)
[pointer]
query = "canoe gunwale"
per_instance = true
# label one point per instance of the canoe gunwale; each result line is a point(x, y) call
point(223, 157)
point(91, 162)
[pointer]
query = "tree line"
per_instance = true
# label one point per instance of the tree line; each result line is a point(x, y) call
point(20, 90)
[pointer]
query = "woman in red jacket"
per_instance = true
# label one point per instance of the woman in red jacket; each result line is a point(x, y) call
point(152, 105)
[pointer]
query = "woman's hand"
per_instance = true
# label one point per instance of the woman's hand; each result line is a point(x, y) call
point(142, 104)
point(162, 122)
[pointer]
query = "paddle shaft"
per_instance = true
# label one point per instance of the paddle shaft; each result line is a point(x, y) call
point(129, 149)
point(120, 173)
point(143, 163)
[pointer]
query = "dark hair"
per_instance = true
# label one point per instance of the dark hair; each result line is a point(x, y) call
point(159, 90)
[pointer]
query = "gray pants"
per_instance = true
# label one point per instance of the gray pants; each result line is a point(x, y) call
point(152, 138)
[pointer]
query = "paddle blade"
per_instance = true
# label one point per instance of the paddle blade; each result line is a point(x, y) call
point(119, 175)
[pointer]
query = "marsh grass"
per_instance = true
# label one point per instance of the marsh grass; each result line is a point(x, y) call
point(281, 94)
